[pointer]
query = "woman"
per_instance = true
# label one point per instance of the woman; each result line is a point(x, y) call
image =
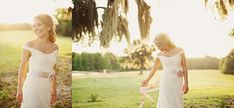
point(38, 89)
point(172, 85)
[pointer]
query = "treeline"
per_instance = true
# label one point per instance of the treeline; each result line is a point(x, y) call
point(99, 62)
point(95, 62)
point(63, 28)
point(206, 62)
point(23, 26)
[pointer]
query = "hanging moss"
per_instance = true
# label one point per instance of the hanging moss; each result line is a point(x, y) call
point(117, 26)
point(123, 29)
point(84, 19)
point(144, 18)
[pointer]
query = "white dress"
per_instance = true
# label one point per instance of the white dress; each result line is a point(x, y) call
point(37, 90)
point(170, 92)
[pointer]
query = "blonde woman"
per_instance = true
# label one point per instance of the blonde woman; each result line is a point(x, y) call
point(37, 89)
point(174, 78)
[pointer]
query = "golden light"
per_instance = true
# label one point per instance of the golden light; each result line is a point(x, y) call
point(188, 23)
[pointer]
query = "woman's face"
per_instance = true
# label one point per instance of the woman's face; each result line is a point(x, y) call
point(160, 45)
point(40, 29)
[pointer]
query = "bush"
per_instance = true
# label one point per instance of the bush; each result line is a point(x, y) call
point(227, 65)
point(93, 98)
point(64, 28)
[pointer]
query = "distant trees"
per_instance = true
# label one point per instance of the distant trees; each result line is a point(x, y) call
point(95, 62)
point(22, 26)
point(110, 62)
point(227, 63)
point(203, 63)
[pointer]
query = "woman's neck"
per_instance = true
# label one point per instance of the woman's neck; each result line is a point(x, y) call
point(43, 40)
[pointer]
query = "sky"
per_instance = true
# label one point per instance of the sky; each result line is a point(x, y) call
point(23, 11)
point(189, 25)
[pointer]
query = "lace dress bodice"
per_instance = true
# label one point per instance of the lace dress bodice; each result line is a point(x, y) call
point(41, 62)
point(171, 63)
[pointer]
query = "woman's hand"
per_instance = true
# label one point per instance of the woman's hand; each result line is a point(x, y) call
point(144, 83)
point(19, 96)
point(185, 88)
point(180, 73)
point(52, 75)
point(53, 97)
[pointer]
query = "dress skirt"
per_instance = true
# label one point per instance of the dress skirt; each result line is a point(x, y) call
point(36, 92)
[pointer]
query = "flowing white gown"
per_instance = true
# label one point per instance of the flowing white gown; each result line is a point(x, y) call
point(36, 89)
point(170, 92)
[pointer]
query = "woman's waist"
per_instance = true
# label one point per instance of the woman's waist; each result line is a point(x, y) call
point(41, 74)
point(171, 71)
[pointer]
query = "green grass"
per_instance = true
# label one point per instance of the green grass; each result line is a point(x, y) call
point(208, 88)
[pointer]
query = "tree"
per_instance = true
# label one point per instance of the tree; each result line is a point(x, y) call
point(141, 55)
point(222, 7)
point(85, 21)
point(64, 26)
point(227, 67)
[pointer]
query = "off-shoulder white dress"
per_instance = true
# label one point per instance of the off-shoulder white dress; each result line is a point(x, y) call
point(37, 89)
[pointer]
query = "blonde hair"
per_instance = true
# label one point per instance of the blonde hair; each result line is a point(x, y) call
point(163, 37)
point(47, 20)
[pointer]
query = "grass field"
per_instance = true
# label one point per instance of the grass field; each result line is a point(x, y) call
point(208, 89)
point(10, 52)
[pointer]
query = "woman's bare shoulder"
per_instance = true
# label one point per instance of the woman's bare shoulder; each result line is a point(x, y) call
point(29, 43)
point(179, 49)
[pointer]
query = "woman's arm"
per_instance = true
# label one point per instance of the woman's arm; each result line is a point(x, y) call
point(53, 87)
point(185, 72)
point(153, 71)
point(21, 72)
point(53, 83)
point(184, 67)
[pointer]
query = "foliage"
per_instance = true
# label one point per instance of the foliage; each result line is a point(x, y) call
point(227, 65)
point(95, 62)
point(64, 26)
point(222, 6)
point(144, 18)
point(84, 19)
point(141, 56)
point(117, 26)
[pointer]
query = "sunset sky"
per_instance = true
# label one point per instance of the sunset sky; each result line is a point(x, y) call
point(188, 23)
point(21, 11)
